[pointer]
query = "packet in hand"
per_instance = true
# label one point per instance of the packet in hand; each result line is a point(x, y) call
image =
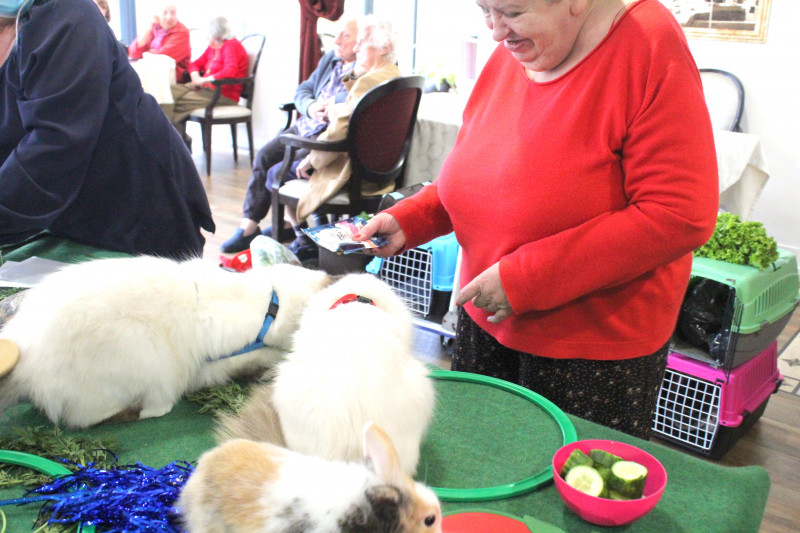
point(338, 236)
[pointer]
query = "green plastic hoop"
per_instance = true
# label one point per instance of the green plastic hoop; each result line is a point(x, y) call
point(45, 466)
point(514, 488)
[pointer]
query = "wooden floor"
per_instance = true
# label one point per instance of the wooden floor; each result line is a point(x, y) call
point(773, 442)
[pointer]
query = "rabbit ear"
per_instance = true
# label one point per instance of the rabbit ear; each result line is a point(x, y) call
point(382, 455)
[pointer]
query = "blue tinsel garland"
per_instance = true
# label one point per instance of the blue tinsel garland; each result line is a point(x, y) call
point(125, 499)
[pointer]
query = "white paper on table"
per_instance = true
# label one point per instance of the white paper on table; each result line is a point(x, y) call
point(157, 74)
point(27, 273)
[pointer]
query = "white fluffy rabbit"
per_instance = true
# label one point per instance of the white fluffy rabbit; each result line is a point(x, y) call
point(244, 486)
point(122, 339)
point(350, 363)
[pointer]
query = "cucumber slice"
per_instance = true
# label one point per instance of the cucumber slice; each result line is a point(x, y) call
point(576, 458)
point(586, 479)
point(628, 478)
point(604, 458)
point(614, 495)
point(604, 471)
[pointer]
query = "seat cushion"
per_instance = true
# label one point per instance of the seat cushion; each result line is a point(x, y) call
point(297, 188)
point(224, 112)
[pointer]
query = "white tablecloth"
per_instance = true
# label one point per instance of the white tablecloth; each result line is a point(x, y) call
point(742, 168)
point(438, 121)
point(157, 73)
point(742, 171)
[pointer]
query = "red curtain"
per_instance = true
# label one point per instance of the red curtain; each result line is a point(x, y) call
point(310, 47)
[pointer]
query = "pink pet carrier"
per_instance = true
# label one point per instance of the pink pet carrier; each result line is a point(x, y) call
point(707, 409)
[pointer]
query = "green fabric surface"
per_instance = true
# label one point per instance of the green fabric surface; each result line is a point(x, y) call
point(488, 455)
point(55, 248)
point(479, 435)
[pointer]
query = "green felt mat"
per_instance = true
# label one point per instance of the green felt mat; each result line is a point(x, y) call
point(55, 248)
point(480, 436)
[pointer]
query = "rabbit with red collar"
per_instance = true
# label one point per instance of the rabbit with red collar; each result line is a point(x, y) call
point(351, 362)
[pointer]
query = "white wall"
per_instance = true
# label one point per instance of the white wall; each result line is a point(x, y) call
point(772, 111)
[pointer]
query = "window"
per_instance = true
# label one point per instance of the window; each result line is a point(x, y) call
point(439, 38)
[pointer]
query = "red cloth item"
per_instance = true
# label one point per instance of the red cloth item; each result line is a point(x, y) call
point(590, 190)
point(227, 61)
point(310, 46)
point(173, 42)
point(239, 262)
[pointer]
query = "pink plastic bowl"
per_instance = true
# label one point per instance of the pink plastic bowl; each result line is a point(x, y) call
point(602, 511)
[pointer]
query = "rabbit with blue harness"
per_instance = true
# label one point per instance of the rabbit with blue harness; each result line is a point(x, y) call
point(123, 339)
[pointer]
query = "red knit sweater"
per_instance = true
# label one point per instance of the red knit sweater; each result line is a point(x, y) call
point(590, 190)
point(227, 61)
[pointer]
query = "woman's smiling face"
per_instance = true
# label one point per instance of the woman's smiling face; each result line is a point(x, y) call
point(540, 34)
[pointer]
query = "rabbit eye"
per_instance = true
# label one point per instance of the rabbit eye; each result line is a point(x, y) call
point(430, 520)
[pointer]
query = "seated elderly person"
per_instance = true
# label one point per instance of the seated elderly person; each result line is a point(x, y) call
point(225, 57)
point(328, 172)
point(311, 100)
point(74, 165)
point(165, 35)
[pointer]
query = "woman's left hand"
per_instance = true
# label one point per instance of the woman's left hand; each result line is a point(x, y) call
point(304, 169)
point(198, 81)
point(486, 292)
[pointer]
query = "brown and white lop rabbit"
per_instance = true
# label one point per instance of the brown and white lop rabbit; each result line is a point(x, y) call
point(243, 486)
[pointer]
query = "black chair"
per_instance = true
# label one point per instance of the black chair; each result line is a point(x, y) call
point(232, 114)
point(377, 142)
point(290, 110)
point(724, 94)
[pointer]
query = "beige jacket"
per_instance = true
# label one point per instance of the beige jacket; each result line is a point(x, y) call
point(332, 169)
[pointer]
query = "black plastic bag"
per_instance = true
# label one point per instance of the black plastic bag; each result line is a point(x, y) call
point(703, 316)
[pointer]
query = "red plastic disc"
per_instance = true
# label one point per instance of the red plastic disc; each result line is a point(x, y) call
point(480, 522)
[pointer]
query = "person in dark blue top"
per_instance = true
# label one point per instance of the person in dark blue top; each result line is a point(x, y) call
point(85, 154)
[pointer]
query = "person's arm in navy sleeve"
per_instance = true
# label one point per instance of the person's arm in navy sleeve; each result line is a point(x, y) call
point(64, 77)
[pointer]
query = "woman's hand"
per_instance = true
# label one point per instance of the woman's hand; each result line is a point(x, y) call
point(486, 292)
point(304, 168)
point(197, 80)
point(383, 225)
point(318, 109)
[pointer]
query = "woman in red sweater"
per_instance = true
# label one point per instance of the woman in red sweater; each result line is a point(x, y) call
point(582, 178)
point(225, 57)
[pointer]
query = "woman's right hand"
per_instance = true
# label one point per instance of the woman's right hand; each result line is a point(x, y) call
point(304, 169)
point(383, 225)
point(318, 110)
